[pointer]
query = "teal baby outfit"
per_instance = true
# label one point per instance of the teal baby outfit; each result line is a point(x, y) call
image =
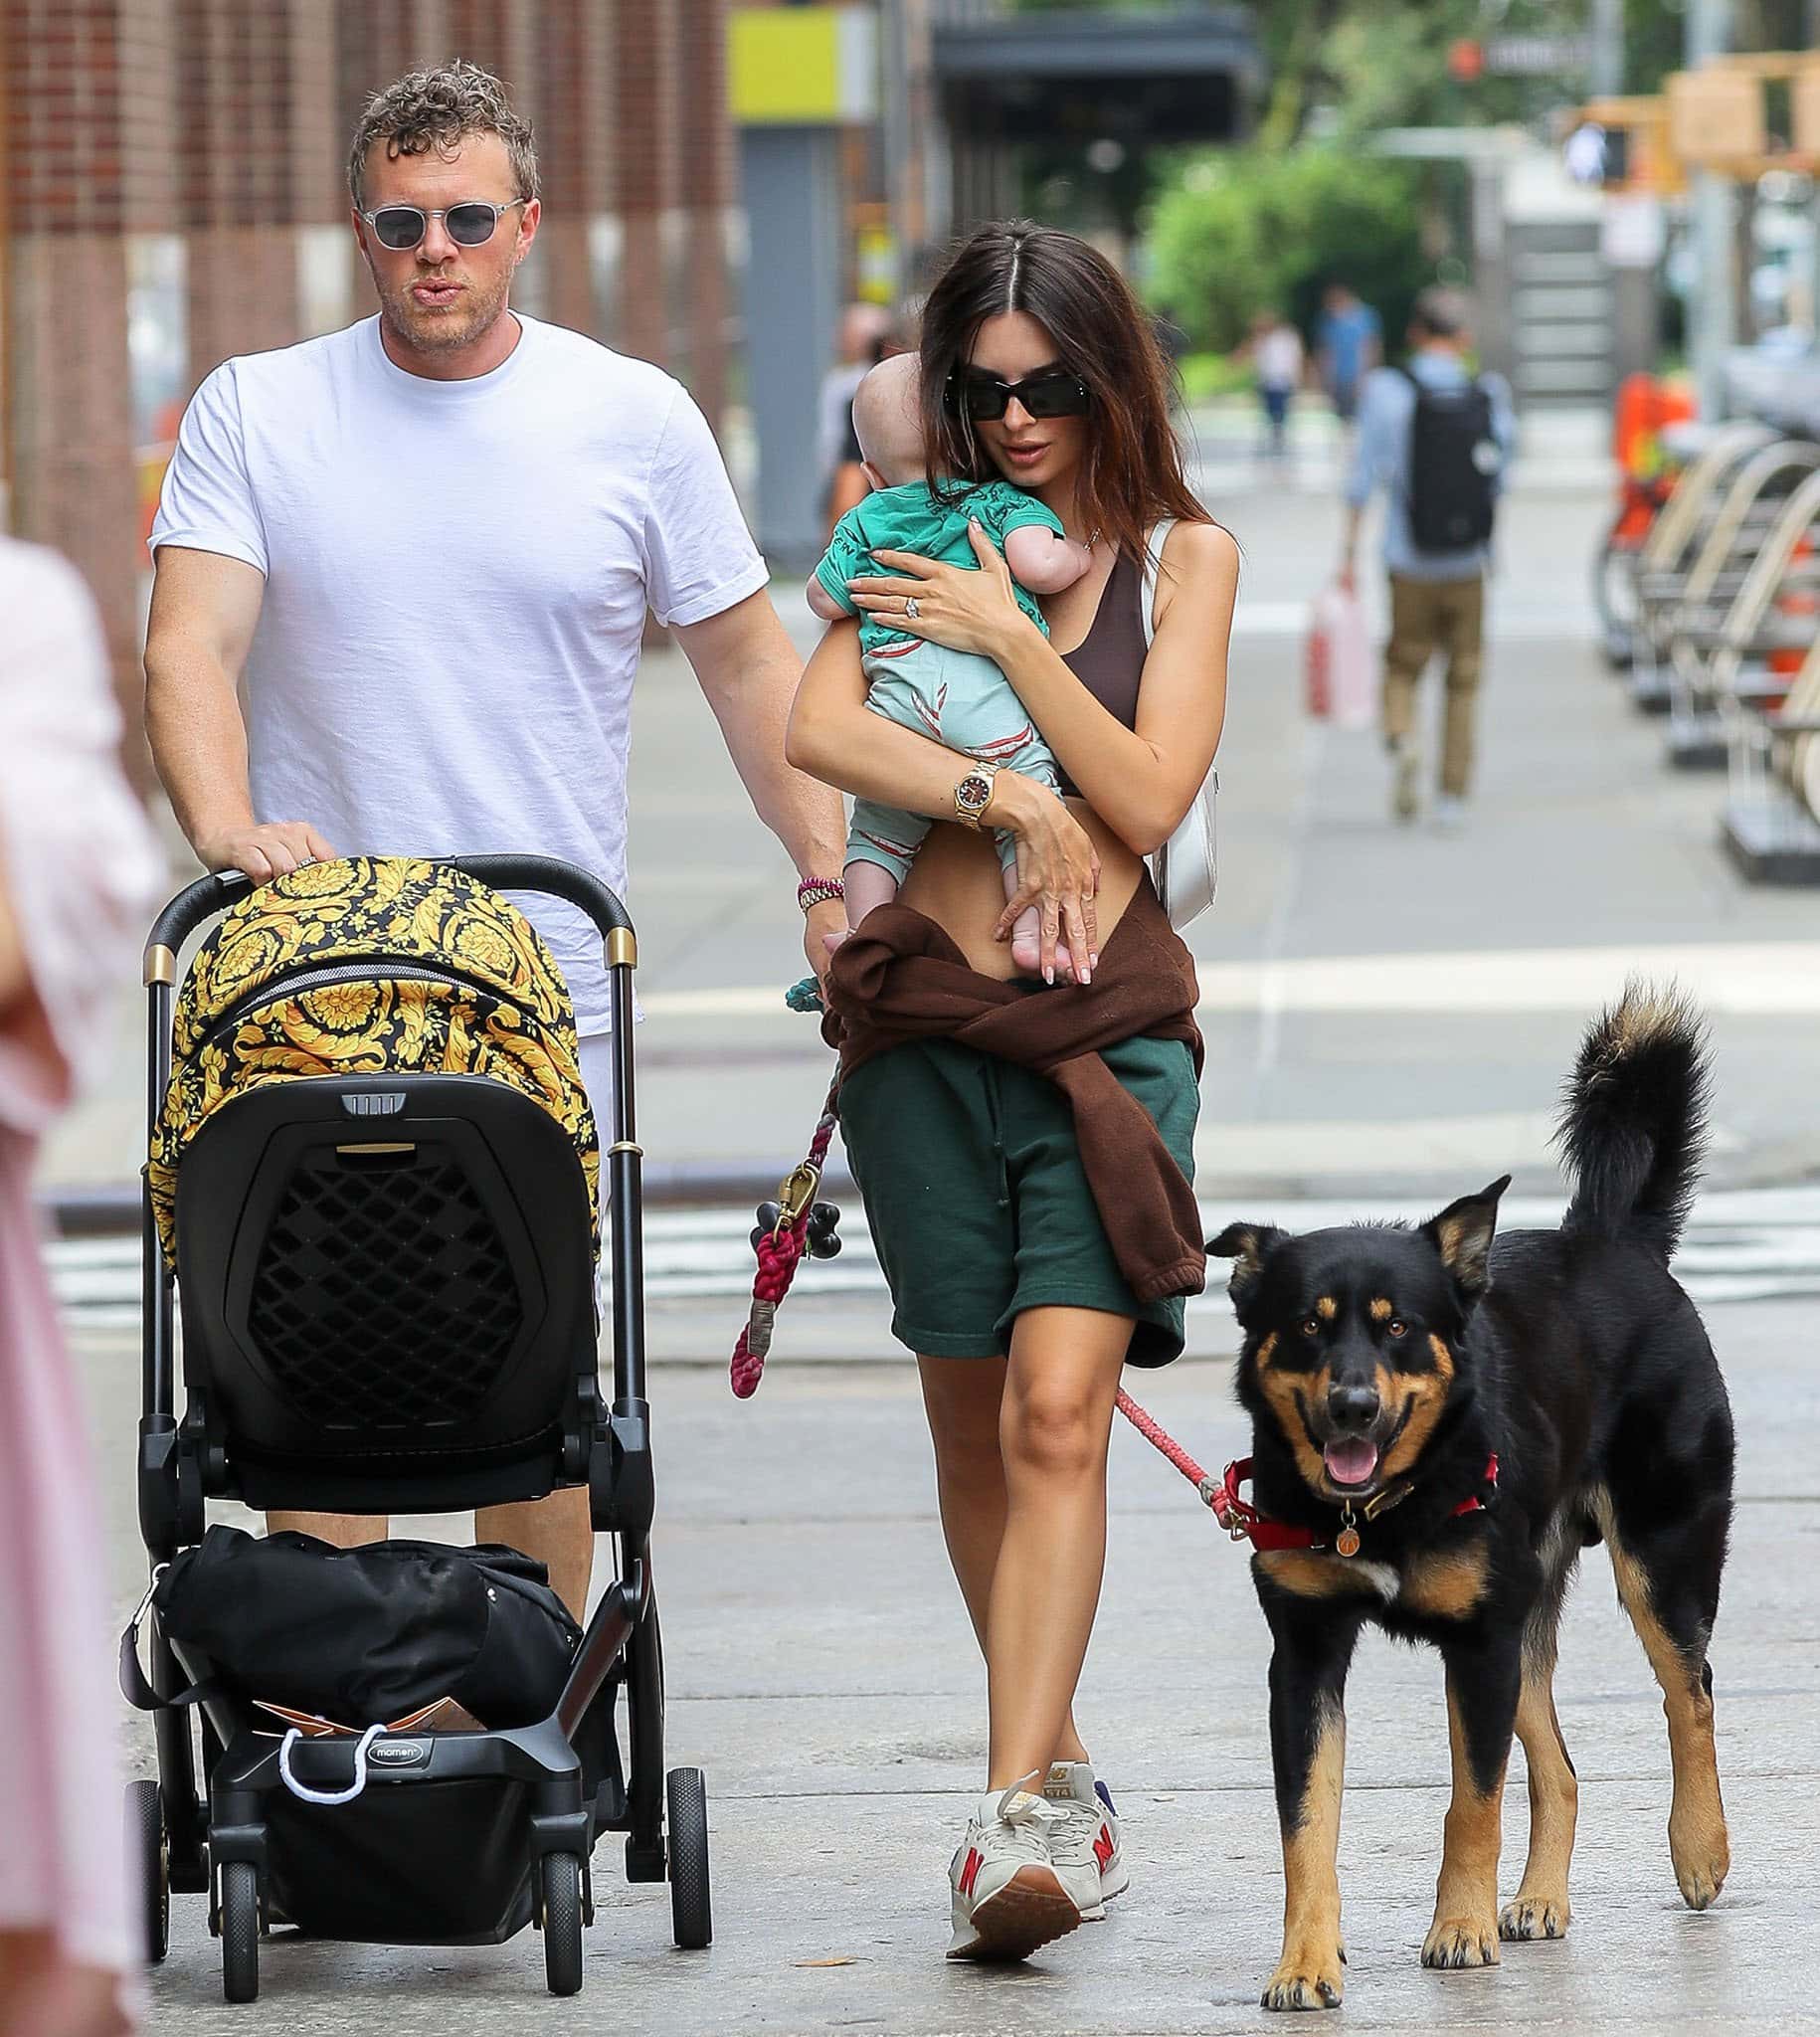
point(957, 697)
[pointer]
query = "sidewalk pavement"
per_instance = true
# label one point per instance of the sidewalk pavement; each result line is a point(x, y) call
point(822, 1673)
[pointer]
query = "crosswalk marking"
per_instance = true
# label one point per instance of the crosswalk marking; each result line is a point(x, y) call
point(1751, 978)
point(1753, 1245)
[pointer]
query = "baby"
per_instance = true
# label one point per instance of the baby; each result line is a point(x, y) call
point(959, 698)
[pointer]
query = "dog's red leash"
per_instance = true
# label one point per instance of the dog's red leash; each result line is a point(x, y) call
point(1232, 1514)
point(804, 1228)
point(1238, 1517)
point(783, 1245)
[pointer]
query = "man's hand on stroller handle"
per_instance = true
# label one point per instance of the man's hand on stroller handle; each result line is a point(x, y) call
point(265, 851)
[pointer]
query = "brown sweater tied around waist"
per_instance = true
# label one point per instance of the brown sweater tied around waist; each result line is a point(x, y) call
point(901, 977)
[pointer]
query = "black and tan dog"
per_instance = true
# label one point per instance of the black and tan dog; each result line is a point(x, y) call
point(1440, 1426)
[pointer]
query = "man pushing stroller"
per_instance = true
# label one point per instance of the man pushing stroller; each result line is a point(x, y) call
point(343, 529)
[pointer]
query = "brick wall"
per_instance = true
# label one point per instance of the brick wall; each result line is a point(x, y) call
point(706, 182)
point(80, 80)
point(210, 135)
point(240, 191)
point(646, 166)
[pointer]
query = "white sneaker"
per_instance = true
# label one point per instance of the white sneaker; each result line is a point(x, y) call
point(1006, 1898)
point(1451, 812)
point(1089, 1862)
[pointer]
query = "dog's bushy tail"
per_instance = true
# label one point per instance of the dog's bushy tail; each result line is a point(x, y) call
point(1633, 1128)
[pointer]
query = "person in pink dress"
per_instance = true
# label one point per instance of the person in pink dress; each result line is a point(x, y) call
point(79, 870)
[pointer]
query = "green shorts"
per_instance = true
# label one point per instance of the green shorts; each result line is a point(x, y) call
point(977, 1200)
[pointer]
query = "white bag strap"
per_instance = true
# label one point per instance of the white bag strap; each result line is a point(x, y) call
point(1152, 566)
point(303, 1793)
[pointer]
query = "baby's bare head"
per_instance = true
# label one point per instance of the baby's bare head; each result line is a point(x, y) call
point(888, 420)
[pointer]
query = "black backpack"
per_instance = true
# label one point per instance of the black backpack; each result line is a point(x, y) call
point(1454, 463)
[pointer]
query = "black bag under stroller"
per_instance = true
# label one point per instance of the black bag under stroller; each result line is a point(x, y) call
point(373, 1195)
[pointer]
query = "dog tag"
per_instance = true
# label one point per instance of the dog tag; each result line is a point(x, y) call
point(1346, 1542)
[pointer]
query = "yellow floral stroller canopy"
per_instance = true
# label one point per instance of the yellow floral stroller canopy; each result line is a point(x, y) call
point(369, 966)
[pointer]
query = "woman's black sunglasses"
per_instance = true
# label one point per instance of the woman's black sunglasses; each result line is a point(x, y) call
point(1052, 394)
point(468, 225)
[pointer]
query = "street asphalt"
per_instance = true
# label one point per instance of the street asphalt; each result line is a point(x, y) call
point(1388, 1016)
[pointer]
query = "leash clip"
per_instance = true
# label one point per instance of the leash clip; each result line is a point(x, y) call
point(1232, 1512)
point(795, 1191)
point(1216, 1496)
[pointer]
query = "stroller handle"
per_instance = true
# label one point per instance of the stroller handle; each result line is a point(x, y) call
point(192, 905)
point(209, 895)
point(549, 874)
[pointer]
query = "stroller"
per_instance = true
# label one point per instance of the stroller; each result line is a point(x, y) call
point(386, 1279)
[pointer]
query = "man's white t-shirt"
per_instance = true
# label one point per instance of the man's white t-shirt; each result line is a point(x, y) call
point(456, 575)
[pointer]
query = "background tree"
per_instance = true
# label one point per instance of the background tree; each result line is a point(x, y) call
point(1239, 232)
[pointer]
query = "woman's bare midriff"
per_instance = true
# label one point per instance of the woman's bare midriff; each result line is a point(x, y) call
point(956, 882)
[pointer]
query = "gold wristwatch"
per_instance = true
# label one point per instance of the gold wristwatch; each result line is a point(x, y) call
point(973, 795)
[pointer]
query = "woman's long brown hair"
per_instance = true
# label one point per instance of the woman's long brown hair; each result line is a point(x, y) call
point(1131, 475)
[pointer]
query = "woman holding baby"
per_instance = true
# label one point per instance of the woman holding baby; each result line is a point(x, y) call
point(1021, 1114)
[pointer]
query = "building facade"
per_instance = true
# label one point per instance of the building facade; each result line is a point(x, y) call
point(174, 171)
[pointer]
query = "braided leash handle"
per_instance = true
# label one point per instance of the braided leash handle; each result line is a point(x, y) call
point(779, 1251)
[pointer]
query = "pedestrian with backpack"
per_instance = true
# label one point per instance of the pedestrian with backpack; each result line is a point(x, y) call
point(1436, 440)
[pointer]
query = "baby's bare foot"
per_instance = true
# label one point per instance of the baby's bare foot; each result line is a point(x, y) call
point(832, 941)
point(1026, 950)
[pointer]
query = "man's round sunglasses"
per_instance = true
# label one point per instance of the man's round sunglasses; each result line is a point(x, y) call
point(469, 224)
point(1054, 393)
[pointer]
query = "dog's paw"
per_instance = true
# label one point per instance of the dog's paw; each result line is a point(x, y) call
point(1702, 1854)
point(1461, 1942)
point(1534, 1916)
point(1702, 1879)
point(1307, 1980)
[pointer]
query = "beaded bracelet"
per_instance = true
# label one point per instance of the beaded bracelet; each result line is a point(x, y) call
point(813, 891)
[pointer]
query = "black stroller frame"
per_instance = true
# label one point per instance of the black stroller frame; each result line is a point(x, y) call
point(498, 1825)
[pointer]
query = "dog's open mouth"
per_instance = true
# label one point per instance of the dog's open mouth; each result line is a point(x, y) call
point(1350, 1460)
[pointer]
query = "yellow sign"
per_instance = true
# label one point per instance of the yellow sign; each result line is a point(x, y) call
point(802, 66)
point(1650, 164)
point(875, 261)
point(1804, 102)
point(1715, 118)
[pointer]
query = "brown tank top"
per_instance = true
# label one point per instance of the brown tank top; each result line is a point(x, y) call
point(1109, 659)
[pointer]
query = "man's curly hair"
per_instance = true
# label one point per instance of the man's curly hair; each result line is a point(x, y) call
point(437, 109)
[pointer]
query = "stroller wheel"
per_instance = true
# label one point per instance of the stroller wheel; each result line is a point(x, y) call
point(148, 1852)
point(691, 1913)
point(560, 1875)
point(240, 1930)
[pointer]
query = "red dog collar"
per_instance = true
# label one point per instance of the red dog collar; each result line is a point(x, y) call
point(1245, 1523)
